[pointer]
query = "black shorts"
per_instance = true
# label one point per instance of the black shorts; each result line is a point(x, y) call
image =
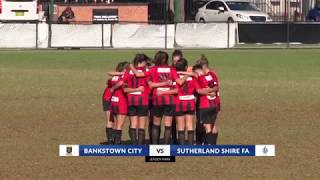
point(105, 105)
point(138, 110)
point(164, 110)
point(182, 113)
point(207, 116)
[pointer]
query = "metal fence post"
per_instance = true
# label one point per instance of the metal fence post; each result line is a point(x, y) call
point(37, 32)
point(165, 36)
point(102, 35)
point(111, 35)
point(50, 22)
point(174, 35)
point(228, 34)
point(166, 22)
point(288, 34)
point(49, 35)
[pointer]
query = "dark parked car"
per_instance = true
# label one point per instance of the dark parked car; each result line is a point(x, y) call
point(314, 15)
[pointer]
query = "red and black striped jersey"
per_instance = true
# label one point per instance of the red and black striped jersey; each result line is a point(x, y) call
point(185, 100)
point(209, 80)
point(107, 93)
point(161, 74)
point(131, 81)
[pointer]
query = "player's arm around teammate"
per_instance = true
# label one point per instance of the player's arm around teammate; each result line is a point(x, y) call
point(115, 73)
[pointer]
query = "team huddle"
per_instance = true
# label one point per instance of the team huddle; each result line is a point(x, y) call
point(186, 99)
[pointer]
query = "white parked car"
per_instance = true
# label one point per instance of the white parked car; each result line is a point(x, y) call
point(19, 10)
point(231, 11)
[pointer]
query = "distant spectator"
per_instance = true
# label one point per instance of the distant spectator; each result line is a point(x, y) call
point(297, 15)
point(66, 16)
point(314, 14)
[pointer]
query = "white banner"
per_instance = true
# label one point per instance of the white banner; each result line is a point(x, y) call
point(209, 35)
point(75, 35)
point(43, 35)
point(107, 35)
point(18, 35)
point(142, 36)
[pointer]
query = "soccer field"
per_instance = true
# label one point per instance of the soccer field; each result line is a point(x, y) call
point(49, 98)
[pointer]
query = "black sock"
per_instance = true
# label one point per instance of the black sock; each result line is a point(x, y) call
point(215, 138)
point(150, 125)
point(159, 134)
point(209, 138)
point(155, 134)
point(113, 135)
point(190, 137)
point(200, 133)
point(109, 135)
point(133, 136)
point(203, 134)
point(129, 131)
point(181, 137)
point(117, 137)
point(141, 136)
point(174, 131)
point(167, 135)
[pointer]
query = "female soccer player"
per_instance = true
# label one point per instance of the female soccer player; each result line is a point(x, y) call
point(150, 64)
point(164, 104)
point(176, 56)
point(118, 102)
point(138, 99)
point(209, 100)
point(106, 98)
point(160, 78)
point(185, 104)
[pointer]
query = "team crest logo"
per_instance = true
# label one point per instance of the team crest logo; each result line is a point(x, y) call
point(265, 150)
point(69, 150)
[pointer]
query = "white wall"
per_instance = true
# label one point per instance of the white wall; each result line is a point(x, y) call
point(210, 35)
point(142, 36)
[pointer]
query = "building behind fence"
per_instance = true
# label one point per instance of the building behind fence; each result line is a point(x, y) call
point(167, 32)
point(162, 11)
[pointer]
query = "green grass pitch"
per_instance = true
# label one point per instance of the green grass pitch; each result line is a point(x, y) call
point(49, 98)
